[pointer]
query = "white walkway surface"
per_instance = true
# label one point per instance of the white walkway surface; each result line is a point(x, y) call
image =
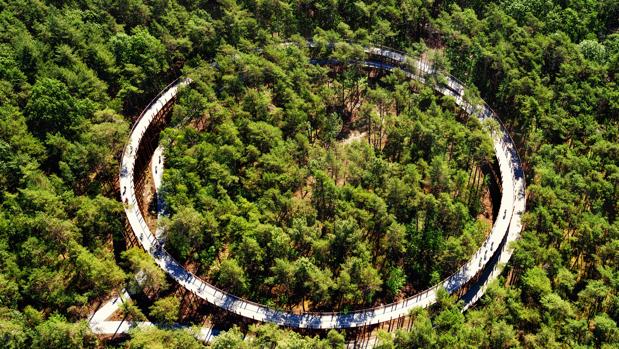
point(506, 227)
point(99, 323)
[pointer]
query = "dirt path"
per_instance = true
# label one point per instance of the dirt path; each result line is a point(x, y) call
point(354, 136)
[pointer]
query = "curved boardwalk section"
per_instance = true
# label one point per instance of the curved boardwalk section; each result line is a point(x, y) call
point(484, 266)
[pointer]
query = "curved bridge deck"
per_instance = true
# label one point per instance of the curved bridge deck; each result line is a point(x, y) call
point(485, 265)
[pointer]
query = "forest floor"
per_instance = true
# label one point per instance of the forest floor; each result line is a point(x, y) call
point(486, 215)
point(150, 216)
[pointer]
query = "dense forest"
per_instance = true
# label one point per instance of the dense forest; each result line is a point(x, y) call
point(286, 184)
point(261, 126)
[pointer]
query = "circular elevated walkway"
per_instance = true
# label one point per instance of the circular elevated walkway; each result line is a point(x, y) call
point(484, 266)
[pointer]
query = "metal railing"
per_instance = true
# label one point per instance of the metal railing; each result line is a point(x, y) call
point(149, 105)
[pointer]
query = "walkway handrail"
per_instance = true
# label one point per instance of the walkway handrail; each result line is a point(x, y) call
point(149, 105)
